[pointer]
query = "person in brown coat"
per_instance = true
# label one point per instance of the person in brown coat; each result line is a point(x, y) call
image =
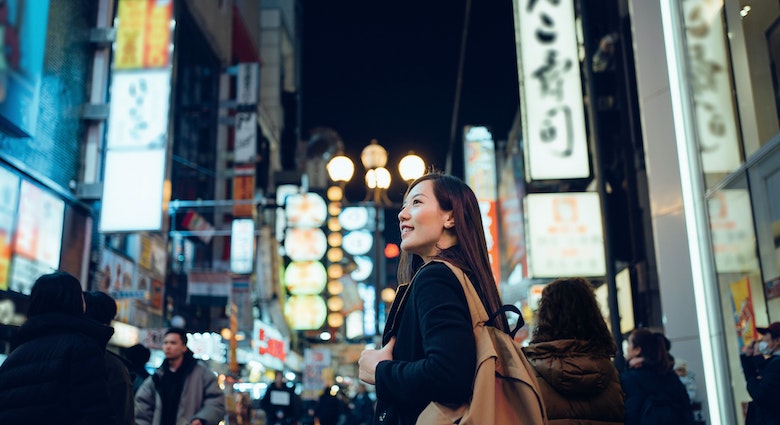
point(571, 350)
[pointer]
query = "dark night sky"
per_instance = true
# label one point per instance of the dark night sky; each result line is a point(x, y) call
point(388, 70)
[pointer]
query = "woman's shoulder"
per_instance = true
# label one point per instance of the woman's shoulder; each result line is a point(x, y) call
point(436, 271)
point(435, 277)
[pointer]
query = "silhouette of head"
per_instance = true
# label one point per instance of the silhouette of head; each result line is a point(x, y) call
point(100, 306)
point(57, 292)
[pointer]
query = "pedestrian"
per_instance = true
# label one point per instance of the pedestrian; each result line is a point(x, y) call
point(55, 372)
point(362, 407)
point(138, 356)
point(571, 350)
point(440, 220)
point(102, 308)
point(181, 391)
point(654, 394)
point(280, 402)
point(761, 366)
point(329, 408)
point(687, 377)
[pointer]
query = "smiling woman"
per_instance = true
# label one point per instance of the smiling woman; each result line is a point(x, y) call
point(440, 222)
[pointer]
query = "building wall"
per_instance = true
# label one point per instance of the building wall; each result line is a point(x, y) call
point(215, 20)
point(54, 154)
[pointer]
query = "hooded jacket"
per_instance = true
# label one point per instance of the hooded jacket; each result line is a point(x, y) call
point(578, 386)
point(201, 397)
point(56, 373)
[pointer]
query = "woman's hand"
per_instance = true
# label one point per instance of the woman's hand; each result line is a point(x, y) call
point(370, 358)
point(636, 362)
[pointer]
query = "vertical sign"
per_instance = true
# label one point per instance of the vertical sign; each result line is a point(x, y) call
point(137, 127)
point(711, 82)
point(480, 167)
point(551, 89)
point(242, 245)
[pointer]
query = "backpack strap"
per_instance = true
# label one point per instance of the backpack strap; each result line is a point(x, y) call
point(479, 315)
point(502, 310)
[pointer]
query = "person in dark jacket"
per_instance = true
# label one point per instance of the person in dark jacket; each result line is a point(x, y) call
point(102, 308)
point(362, 407)
point(280, 403)
point(440, 221)
point(138, 356)
point(761, 366)
point(654, 394)
point(571, 351)
point(55, 373)
point(329, 407)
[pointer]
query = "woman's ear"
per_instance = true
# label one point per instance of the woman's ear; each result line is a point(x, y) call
point(449, 222)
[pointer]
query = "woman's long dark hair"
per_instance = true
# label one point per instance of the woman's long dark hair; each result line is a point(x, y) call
point(653, 349)
point(568, 310)
point(470, 253)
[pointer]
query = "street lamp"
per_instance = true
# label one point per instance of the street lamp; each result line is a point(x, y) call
point(377, 179)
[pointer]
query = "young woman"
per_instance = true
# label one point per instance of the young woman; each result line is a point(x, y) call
point(429, 353)
point(654, 393)
point(571, 351)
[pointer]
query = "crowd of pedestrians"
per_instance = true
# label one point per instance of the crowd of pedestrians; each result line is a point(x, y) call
point(60, 370)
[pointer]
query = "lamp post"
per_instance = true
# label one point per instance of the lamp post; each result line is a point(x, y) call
point(377, 179)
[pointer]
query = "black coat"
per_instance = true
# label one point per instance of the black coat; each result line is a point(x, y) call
point(639, 383)
point(763, 385)
point(434, 358)
point(56, 374)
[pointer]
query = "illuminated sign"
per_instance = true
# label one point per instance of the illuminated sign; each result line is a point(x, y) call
point(9, 195)
point(354, 218)
point(358, 242)
point(305, 277)
point(565, 235)
point(551, 91)
point(306, 210)
point(137, 127)
point(305, 244)
point(305, 312)
point(39, 227)
point(242, 245)
point(480, 168)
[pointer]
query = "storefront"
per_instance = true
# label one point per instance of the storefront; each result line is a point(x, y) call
point(712, 134)
point(40, 232)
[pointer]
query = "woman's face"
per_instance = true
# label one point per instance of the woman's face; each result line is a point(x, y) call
point(423, 222)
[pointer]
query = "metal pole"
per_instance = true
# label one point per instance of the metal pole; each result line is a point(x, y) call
point(378, 254)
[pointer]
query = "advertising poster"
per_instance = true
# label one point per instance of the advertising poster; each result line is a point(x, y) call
point(9, 196)
point(117, 280)
point(565, 235)
point(39, 226)
point(21, 63)
point(744, 319)
point(316, 373)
